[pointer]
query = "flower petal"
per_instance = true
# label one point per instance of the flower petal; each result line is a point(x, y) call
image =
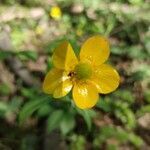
point(63, 89)
point(106, 78)
point(57, 83)
point(95, 50)
point(64, 57)
point(85, 95)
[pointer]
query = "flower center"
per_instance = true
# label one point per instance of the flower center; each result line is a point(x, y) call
point(83, 71)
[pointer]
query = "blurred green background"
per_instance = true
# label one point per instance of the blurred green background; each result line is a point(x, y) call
point(31, 120)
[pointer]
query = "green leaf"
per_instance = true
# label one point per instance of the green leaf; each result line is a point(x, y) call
point(3, 108)
point(15, 104)
point(126, 116)
point(67, 123)
point(112, 147)
point(49, 63)
point(104, 104)
point(135, 140)
point(31, 107)
point(143, 110)
point(125, 95)
point(147, 96)
point(78, 142)
point(4, 89)
point(87, 116)
point(44, 110)
point(28, 55)
point(54, 120)
point(5, 54)
point(121, 135)
point(29, 92)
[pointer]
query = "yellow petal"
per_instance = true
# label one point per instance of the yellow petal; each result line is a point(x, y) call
point(85, 95)
point(64, 57)
point(57, 83)
point(106, 78)
point(63, 89)
point(95, 50)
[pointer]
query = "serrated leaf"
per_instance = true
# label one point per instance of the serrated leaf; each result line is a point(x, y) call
point(126, 116)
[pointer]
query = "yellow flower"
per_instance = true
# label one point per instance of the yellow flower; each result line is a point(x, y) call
point(55, 12)
point(87, 76)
